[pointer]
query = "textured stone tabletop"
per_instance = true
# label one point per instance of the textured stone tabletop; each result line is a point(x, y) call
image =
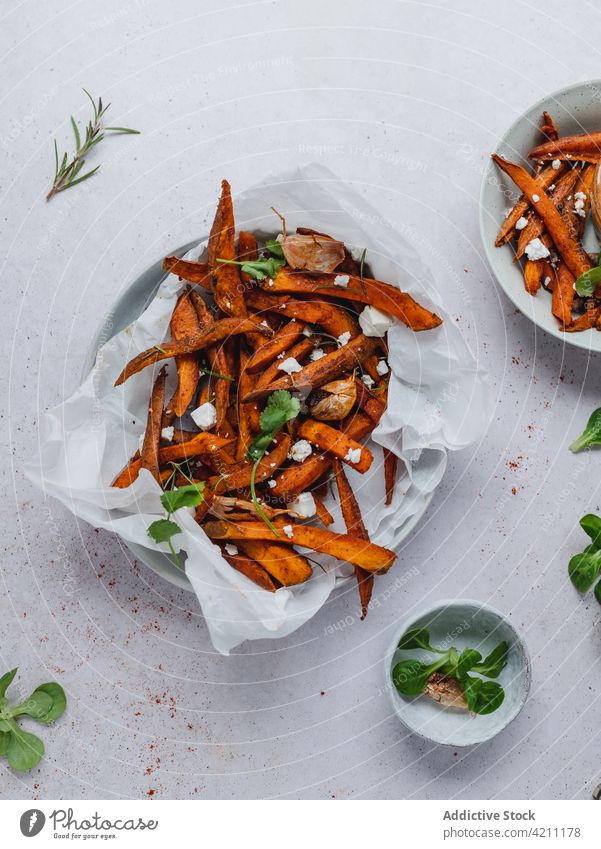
point(404, 100)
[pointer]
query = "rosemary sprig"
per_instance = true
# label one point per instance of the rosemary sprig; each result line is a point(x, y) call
point(66, 173)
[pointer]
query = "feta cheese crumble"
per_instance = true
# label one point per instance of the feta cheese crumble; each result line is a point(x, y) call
point(556, 164)
point(307, 331)
point(317, 354)
point(341, 280)
point(521, 223)
point(357, 253)
point(368, 380)
point(288, 531)
point(344, 338)
point(303, 506)
point(290, 365)
point(382, 367)
point(231, 549)
point(353, 455)
point(374, 322)
point(271, 483)
point(579, 199)
point(141, 441)
point(536, 250)
point(301, 450)
point(535, 198)
point(167, 433)
point(204, 416)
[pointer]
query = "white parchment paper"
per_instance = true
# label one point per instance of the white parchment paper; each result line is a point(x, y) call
point(438, 401)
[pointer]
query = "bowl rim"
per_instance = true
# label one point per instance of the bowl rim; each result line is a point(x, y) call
point(427, 608)
point(583, 340)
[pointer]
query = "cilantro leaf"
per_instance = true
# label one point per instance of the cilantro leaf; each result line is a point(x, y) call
point(163, 529)
point(281, 407)
point(586, 284)
point(258, 269)
point(275, 248)
point(190, 495)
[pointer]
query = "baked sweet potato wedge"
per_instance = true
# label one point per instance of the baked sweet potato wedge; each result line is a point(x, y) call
point(227, 284)
point(149, 455)
point(365, 290)
point(251, 569)
point(192, 272)
point(315, 374)
point(570, 249)
point(353, 520)
point(357, 552)
point(216, 333)
point(336, 442)
point(587, 144)
point(281, 561)
point(184, 323)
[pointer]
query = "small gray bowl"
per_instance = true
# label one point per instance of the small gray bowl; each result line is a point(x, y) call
point(575, 109)
point(461, 623)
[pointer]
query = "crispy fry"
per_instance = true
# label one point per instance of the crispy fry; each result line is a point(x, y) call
point(322, 512)
point(238, 475)
point(572, 252)
point(588, 144)
point(272, 372)
point(301, 476)
point(390, 466)
point(381, 295)
point(321, 371)
point(251, 569)
point(270, 350)
point(563, 295)
point(149, 455)
point(369, 401)
point(357, 552)
point(543, 180)
point(586, 321)
point(535, 226)
point(533, 274)
point(337, 443)
point(248, 415)
point(192, 272)
point(219, 362)
point(184, 323)
point(222, 245)
point(216, 333)
point(548, 127)
point(331, 318)
point(351, 513)
point(286, 566)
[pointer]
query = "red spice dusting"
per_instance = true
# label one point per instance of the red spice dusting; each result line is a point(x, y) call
point(151, 792)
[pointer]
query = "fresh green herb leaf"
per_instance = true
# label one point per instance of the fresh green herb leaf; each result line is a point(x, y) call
point(494, 663)
point(275, 249)
point(216, 374)
point(584, 568)
point(411, 676)
point(163, 529)
point(591, 525)
point(23, 750)
point(6, 681)
point(190, 495)
point(591, 434)
point(259, 269)
point(66, 174)
point(467, 660)
point(598, 592)
point(416, 638)
point(485, 696)
point(281, 408)
point(50, 695)
point(47, 702)
point(587, 283)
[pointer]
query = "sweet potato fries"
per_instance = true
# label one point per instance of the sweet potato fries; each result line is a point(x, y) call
point(548, 221)
point(280, 358)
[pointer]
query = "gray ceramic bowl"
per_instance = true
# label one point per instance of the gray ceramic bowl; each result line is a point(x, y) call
point(463, 624)
point(575, 109)
point(124, 311)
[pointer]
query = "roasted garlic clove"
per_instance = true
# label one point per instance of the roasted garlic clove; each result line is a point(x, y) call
point(333, 401)
point(312, 253)
point(446, 691)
